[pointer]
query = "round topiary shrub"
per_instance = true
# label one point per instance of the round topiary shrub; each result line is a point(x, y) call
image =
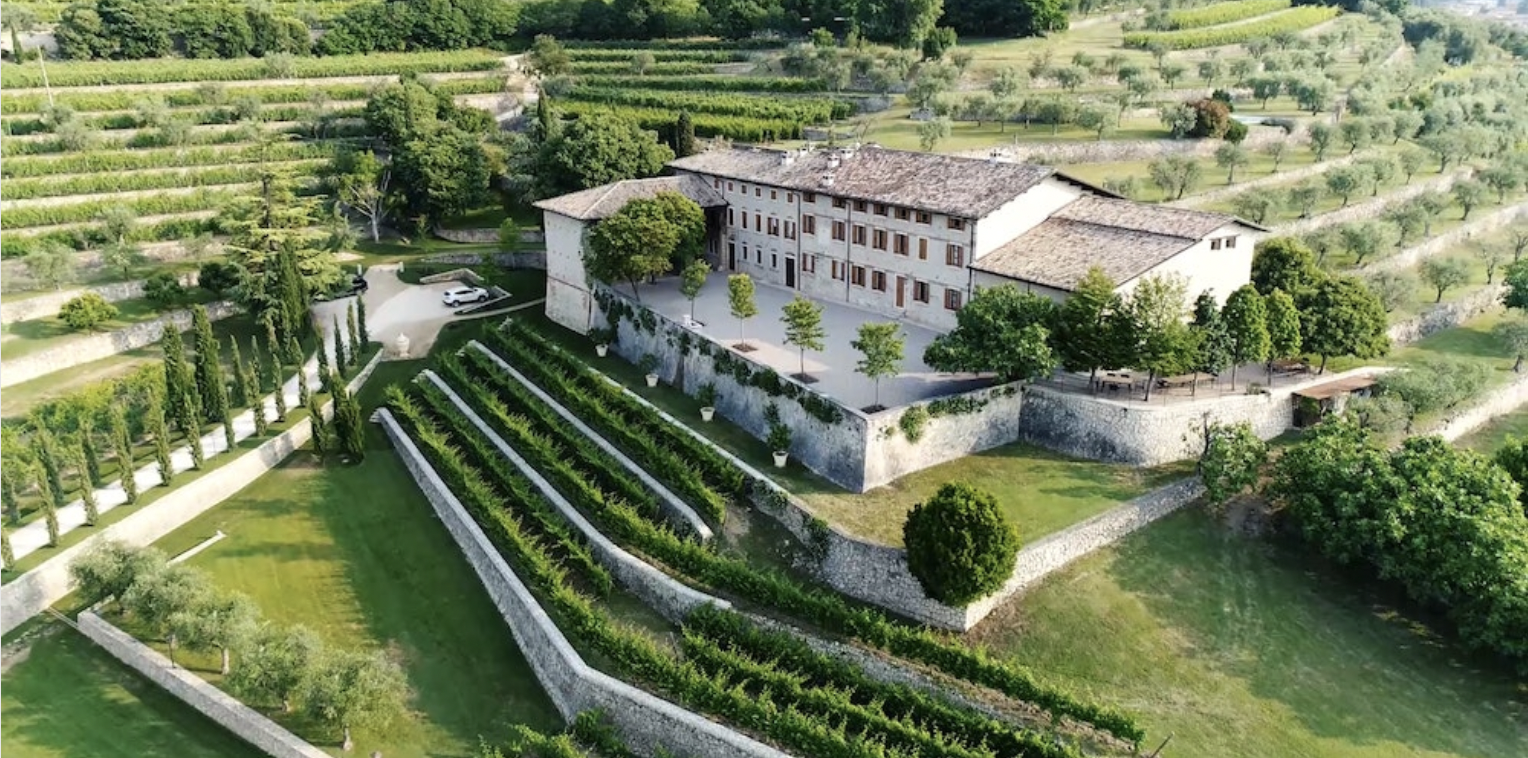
point(960, 546)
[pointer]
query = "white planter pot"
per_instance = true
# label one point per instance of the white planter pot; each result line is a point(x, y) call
point(652, 380)
point(780, 456)
point(707, 413)
point(600, 350)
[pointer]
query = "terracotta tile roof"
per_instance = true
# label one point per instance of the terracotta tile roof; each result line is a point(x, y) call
point(1144, 217)
point(961, 187)
point(603, 201)
point(1058, 251)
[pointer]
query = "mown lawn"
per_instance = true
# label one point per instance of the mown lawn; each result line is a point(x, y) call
point(356, 553)
point(69, 699)
point(23, 338)
point(1237, 647)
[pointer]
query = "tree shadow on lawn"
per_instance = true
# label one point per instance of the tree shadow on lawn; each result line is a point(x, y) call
point(1347, 656)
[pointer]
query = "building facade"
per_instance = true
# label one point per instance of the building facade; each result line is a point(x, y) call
point(910, 235)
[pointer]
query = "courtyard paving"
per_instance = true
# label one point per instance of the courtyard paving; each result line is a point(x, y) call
point(833, 367)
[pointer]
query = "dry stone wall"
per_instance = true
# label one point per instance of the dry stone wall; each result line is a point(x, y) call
point(485, 236)
point(647, 723)
point(43, 306)
point(1496, 403)
point(1448, 240)
point(266, 735)
point(535, 259)
point(97, 346)
point(1372, 208)
point(1446, 316)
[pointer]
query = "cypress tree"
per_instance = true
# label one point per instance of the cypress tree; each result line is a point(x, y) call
point(87, 492)
point(10, 499)
point(292, 294)
point(228, 433)
point(6, 554)
point(122, 445)
point(320, 432)
point(360, 318)
point(192, 406)
point(209, 366)
point(242, 387)
point(341, 350)
point(262, 422)
point(323, 367)
point(155, 421)
point(292, 353)
point(92, 453)
point(46, 453)
point(356, 346)
point(302, 387)
point(257, 370)
point(176, 371)
point(684, 135)
point(348, 432)
point(50, 516)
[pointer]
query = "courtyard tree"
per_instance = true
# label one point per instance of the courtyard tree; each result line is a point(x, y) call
point(1082, 338)
point(1166, 345)
point(1246, 324)
point(218, 621)
point(355, 689)
point(803, 328)
point(645, 238)
point(109, 569)
point(276, 666)
point(87, 312)
point(740, 301)
point(1212, 341)
point(1443, 274)
point(692, 279)
point(960, 544)
point(1513, 335)
point(1284, 334)
point(1342, 317)
point(1285, 263)
point(1004, 331)
point(1232, 460)
point(880, 346)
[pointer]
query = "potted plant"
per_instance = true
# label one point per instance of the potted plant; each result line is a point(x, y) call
point(707, 397)
point(602, 337)
point(649, 366)
point(779, 440)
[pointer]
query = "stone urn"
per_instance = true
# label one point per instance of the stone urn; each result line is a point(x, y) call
point(401, 347)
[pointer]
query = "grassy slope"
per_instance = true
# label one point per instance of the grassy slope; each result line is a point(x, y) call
point(69, 698)
point(1488, 438)
point(23, 338)
point(1240, 648)
point(356, 553)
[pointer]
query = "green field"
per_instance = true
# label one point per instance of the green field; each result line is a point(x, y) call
point(70, 699)
point(356, 553)
point(1238, 647)
point(1493, 435)
point(22, 338)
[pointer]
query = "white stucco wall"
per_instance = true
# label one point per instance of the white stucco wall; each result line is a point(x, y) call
point(1021, 214)
point(982, 279)
point(567, 285)
point(1221, 271)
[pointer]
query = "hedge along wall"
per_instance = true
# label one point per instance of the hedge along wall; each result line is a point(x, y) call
point(45, 585)
point(212, 702)
point(43, 306)
point(97, 346)
point(647, 723)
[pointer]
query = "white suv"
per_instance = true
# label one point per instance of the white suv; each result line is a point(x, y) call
point(463, 295)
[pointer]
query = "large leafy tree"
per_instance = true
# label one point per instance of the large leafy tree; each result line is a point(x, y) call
point(960, 544)
point(274, 239)
point(803, 328)
point(644, 238)
point(441, 173)
point(1002, 330)
point(1342, 317)
point(1287, 264)
point(109, 568)
point(1285, 337)
point(362, 184)
point(1246, 323)
point(354, 689)
point(217, 621)
point(1212, 340)
point(596, 149)
point(277, 665)
point(1166, 344)
point(1082, 338)
point(880, 348)
point(208, 366)
point(158, 594)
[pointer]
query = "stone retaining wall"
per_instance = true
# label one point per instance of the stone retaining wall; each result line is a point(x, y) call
point(456, 274)
point(1113, 151)
point(43, 306)
point(532, 259)
point(1445, 316)
point(485, 236)
point(1500, 401)
point(48, 583)
point(97, 346)
point(15, 278)
point(658, 590)
point(646, 723)
point(1448, 240)
point(266, 735)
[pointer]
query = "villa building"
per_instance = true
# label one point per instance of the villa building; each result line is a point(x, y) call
point(910, 235)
